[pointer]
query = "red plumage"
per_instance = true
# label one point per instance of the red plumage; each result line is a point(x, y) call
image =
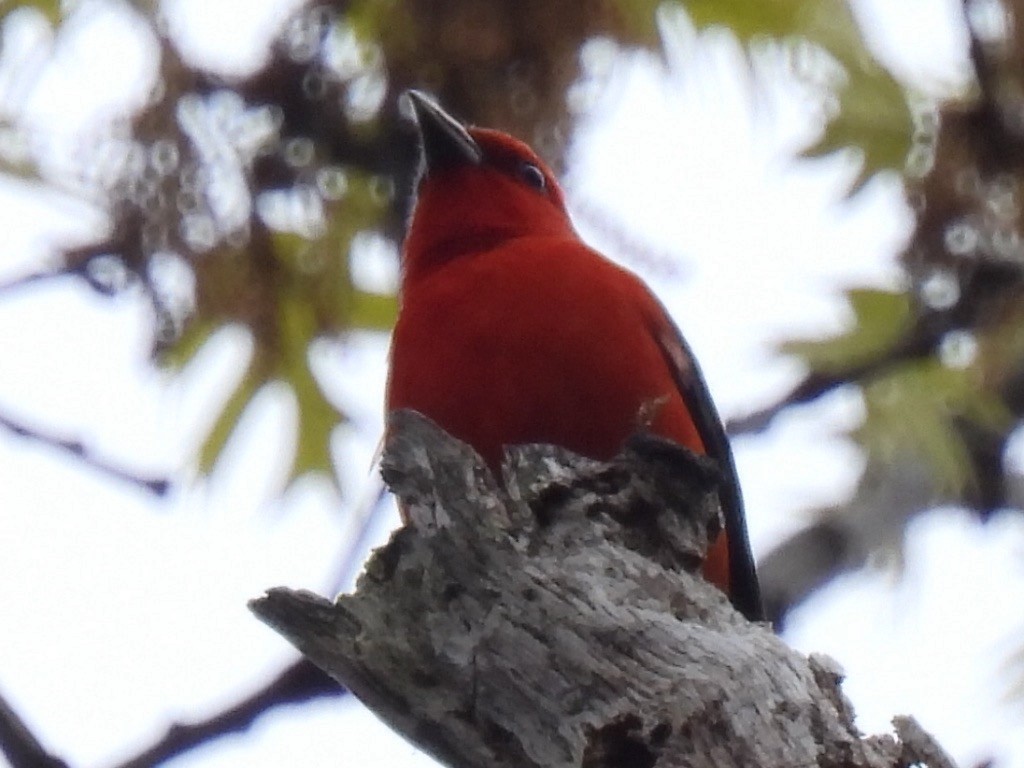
point(512, 330)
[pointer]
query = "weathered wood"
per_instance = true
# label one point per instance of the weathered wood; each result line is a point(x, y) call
point(558, 619)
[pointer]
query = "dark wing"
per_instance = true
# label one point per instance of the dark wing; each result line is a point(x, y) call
point(743, 586)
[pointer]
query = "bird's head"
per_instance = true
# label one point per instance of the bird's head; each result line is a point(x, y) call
point(476, 189)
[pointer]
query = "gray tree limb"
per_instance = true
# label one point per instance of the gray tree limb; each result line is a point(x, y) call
point(559, 619)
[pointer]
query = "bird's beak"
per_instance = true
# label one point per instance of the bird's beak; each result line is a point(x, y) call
point(444, 141)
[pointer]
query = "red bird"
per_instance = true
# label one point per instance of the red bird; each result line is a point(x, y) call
point(512, 330)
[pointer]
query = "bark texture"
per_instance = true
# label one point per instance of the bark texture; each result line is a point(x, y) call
point(558, 619)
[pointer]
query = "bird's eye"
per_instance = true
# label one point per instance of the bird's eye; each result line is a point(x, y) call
point(533, 176)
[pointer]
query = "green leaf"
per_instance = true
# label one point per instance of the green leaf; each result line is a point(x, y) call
point(373, 311)
point(316, 423)
point(777, 18)
point(880, 319)
point(50, 9)
point(227, 420)
point(874, 118)
point(639, 18)
point(317, 416)
point(16, 161)
point(368, 18)
point(193, 337)
point(288, 289)
point(874, 115)
point(301, 290)
point(913, 409)
point(287, 363)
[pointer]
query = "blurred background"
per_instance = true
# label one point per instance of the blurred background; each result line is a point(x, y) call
point(202, 204)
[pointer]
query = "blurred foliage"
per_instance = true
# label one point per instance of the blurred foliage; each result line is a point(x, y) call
point(50, 9)
point(940, 362)
point(241, 200)
point(879, 320)
point(826, 48)
point(940, 359)
point(914, 409)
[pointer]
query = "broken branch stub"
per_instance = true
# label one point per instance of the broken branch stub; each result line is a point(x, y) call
point(559, 619)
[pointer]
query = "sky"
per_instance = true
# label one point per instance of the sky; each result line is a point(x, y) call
point(122, 614)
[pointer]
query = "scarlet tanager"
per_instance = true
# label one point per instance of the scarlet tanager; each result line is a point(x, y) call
point(512, 330)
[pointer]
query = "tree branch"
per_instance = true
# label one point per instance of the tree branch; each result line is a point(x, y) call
point(28, 279)
point(19, 745)
point(82, 452)
point(298, 683)
point(559, 619)
point(918, 342)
